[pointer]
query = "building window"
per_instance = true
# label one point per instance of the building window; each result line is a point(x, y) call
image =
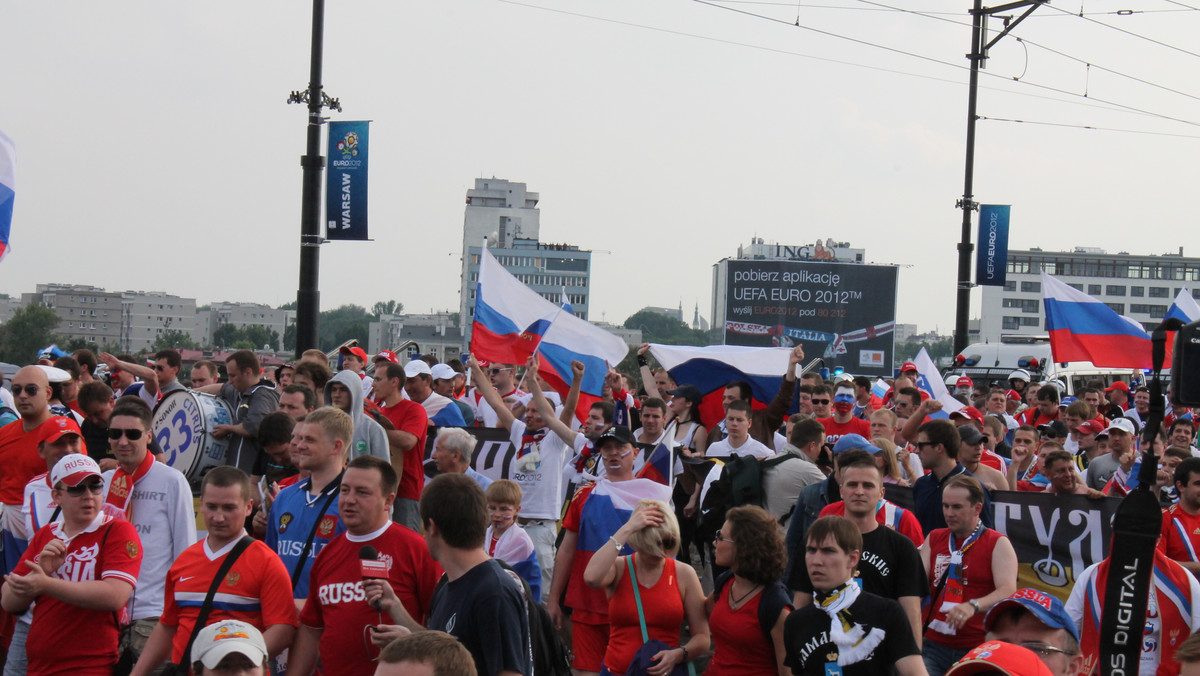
point(1093, 289)
point(1160, 292)
point(1011, 323)
point(1118, 308)
point(1031, 321)
point(1077, 287)
point(1010, 285)
point(1031, 287)
point(1114, 290)
point(1137, 291)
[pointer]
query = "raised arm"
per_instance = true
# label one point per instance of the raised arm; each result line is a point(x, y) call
point(648, 383)
point(909, 431)
point(779, 406)
point(572, 400)
point(490, 395)
point(545, 408)
point(604, 569)
point(146, 375)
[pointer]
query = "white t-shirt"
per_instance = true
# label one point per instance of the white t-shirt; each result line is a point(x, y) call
point(751, 447)
point(780, 442)
point(484, 415)
point(541, 484)
point(163, 514)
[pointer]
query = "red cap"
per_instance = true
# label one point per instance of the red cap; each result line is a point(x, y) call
point(964, 381)
point(1005, 658)
point(388, 355)
point(969, 412)
point(57, 426)
point(1119, 385)
point(908, 366)
point(356, 351)
point(1012, 395)
point(1090, 427)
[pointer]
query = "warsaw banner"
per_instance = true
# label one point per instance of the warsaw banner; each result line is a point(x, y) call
point(346, 181)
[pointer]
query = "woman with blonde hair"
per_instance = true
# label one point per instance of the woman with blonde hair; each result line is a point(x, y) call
point(665, 592)
point(888, 464)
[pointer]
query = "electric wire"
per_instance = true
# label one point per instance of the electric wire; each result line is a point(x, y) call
point(1088, 127)
point(1122, 30)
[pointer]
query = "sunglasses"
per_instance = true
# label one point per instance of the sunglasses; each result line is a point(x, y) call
point(94, 487)
point(157, 367)
point(30, 390)
point(496, 372)
point(820, 401)
point(132, 434)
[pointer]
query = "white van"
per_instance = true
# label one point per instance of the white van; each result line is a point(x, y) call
point(990, 364)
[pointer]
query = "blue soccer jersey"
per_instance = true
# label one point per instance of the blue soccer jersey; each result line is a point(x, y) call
point(294, 514)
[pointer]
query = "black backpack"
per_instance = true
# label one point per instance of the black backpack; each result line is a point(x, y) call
point(740, 484)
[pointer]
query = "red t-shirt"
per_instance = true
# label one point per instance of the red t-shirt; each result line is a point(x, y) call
point(581, 597)
point(256, 590)
point(20, 460)
point(67, 639)
point(336, 601)
point(1032, 416)
point(835, 430)
point(1180, 535)
point(907, 525)
point(409, 416)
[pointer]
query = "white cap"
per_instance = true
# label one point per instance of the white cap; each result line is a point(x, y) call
point(1123, 424)
point(222, 638)
point(415, 368)
point(442, 372)
point(73, 469)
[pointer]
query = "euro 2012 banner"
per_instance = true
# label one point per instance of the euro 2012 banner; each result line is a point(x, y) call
point(346, 181)
point(1055, 536)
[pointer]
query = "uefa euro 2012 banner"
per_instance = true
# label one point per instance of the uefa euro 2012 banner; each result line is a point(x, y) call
point(1055, 536)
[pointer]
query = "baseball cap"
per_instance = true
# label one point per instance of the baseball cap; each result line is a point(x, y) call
point(1090, 427)
point(908, 366)
point(1054, 428)
point(223, 638)
point(1118, 385)
point(1067, 401)
point(970, 413)
point(58, 426)
point(1012, 395)
point(356, 351)
point(964, 381)
point(73, 469)
point(617, 433)
point(1047, 609)
point(441, 372)
point(689, 392)
point(416, 367)
point(387, 355)
point(853, 442)
point(995, 657)
point(969, 435)
point(1124, 424)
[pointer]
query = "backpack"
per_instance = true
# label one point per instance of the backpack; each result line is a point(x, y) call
point(551, 657)
point(740, 484)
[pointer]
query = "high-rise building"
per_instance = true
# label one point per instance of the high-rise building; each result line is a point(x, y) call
point(1141, 287)
point(146, 315)
point(242, 315)
point(86, 312)
point(505, 214)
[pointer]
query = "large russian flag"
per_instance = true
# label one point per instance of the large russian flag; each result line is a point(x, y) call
point(710, 368)
point(8, 186)
point(1185, 308)
point(1084, 329)
point(512, 321)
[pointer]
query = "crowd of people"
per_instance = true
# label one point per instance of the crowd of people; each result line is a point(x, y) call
point(761, 543)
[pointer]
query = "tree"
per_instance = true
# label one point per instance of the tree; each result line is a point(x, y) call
point(341, 324)
point(78, 343)
point(173, 339)
point(658, 328)
point(225, 335)
point(261, 335)
point(391, 307)
point(30, 329)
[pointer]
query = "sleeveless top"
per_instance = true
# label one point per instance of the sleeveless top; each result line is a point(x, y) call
point(742, 649)
point(976, 580)
point(663, 606)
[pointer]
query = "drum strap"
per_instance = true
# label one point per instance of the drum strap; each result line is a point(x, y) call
point(332, 491)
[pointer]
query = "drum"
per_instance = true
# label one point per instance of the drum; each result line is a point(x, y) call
point(183, 424)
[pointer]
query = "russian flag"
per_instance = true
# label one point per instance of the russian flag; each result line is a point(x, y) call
point(1185, 308)
point(512, 322)
point(658, 465)
point(1084, 329)
point(930, 382)
point(710, 368)
point(8, 187)
point(516, 549)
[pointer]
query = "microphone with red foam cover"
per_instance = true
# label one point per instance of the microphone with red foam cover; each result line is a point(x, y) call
point(372, 567)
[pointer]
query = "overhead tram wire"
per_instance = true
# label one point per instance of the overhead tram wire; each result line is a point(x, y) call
point(712, 3)
point(1088, 127)
point(1121, 12)
point(1075, 99)
point(1122, 30)
point(1180, 4)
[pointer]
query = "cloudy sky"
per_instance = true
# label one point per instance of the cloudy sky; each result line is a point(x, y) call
point(155, 150)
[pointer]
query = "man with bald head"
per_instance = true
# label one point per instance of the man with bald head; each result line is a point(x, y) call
point(19, 456)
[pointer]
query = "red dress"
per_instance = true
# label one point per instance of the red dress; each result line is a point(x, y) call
point(742, 649)
point(663, 607)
